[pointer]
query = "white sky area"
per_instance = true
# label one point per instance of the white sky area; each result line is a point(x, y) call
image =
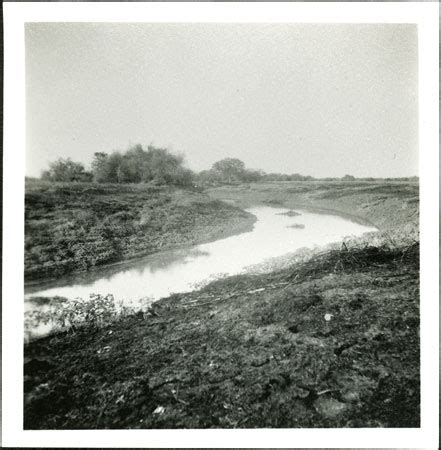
point(316, 99)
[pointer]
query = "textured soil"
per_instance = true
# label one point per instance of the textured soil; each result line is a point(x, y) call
point(329, 342)
point(248, 351)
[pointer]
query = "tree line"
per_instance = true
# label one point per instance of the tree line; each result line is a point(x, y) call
point(136, 165)
point(160, 166)
point(151, 165)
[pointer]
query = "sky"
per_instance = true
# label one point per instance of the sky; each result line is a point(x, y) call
point(317, 99)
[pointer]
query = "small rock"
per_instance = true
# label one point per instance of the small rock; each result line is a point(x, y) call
point(330, 408)
point(310, 340)
point(159, 410)
point(350, 396)
point(299, 392)
point(328, 317)
point(42, 387)
point(372, 333)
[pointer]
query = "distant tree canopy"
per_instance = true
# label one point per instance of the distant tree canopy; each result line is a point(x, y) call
point(138, 165)
point(66, 170)
point(233, 170)
point(229, 170)
point(286, 177)
point(160, 166)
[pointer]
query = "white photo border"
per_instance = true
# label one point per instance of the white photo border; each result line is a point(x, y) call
point(425, 15)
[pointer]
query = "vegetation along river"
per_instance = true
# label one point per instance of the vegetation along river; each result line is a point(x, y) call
point(276, 232)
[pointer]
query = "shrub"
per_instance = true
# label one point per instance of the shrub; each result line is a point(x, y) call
point(97, 311)
point(156, 165)
point(66, 170)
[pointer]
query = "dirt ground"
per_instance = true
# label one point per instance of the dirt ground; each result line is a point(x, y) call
point(329, 342)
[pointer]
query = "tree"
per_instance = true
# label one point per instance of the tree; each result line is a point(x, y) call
point(251, 176)
point(230, 169)
point(348, 178)
point(100, 168)
point(109, 168)
point(66, 170)
point(137, 165)
point(114, 168)
point(208, 177)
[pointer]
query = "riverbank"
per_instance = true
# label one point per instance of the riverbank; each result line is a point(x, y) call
point(331, 341)
point(387, 206)
point(391, 207)
point(75, 227)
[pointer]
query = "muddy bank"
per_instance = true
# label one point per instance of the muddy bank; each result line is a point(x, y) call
point(384, 205)
point(329, 343)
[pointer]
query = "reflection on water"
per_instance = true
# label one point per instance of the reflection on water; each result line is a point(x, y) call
point(162, 274)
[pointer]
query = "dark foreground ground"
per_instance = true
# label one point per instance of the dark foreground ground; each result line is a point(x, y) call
point(330, 342)
point(250, 351)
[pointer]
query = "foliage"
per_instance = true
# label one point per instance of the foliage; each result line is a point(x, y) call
point(286, 177)
point(160, 166)
point(66, 170)
point(229, 171)
point(96, 311)
point(137, 165)
point(100, 167)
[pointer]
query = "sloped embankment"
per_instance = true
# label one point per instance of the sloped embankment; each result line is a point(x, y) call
point(72, 227)
point(332, 342)
point(387, 205)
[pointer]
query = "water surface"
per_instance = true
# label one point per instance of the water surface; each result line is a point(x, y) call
point(175, 271)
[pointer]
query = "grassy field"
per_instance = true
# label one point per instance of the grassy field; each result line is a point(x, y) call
point(71, 227)
point(332, 341)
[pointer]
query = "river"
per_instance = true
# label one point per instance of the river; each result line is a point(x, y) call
point(274, 234)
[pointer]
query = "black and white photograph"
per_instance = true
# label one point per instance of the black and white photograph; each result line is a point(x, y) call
point(222, 225)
